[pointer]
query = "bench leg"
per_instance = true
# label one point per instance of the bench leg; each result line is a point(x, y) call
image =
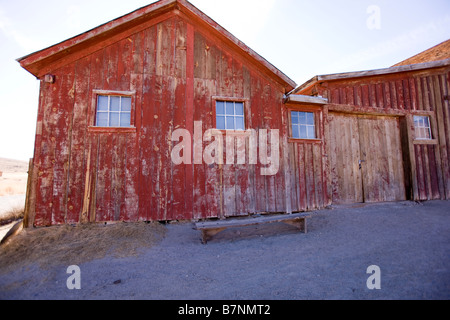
point(299, 224)
point(208, 234)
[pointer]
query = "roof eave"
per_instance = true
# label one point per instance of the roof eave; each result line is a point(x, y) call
point(34, 61)
point(302, 99)
point(370, 73)
point(30, 61)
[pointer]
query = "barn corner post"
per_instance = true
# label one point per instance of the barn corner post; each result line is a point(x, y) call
point(30, 197)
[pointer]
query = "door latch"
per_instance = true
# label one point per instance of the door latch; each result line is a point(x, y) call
point(360, 163)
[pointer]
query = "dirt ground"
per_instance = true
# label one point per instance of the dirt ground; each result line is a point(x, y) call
point(410, 242)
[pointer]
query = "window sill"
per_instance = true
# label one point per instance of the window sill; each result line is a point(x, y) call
point(294, 140)
point(230, 132)
point(432, 142)
point(111, 130)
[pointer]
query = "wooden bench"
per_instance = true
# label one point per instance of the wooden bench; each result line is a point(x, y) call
point(211, 228)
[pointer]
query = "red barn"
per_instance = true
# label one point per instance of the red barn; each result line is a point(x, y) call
point(110, 101)
point(163, 115)
point(387, 131)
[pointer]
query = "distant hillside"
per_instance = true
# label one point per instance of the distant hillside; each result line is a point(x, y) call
point(13, 166)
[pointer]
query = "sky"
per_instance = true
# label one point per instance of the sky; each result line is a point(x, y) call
point(302, 38)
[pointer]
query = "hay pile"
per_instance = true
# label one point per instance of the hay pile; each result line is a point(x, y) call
point(68, 245)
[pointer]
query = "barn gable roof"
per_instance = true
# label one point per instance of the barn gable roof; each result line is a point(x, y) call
point(51, 58)
point(436, 53)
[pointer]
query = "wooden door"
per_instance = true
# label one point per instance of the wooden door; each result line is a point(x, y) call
point(366, 159)
point(381, 153)
point(344, 156)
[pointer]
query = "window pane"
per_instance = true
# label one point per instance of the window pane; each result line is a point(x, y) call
point(220, 123)
point(230, 108)
point(239, 109)
point(126, 104)
point(102, 103)
point(220, 107)
point(294, 117)
point(125, 119)
point(310, 118)
point(311, 132)
point(423, 133)
point(115, 104)
point(422, 127)
point(240, 125)
point(295, 132)
point(102, 119)
point(416, 122)
point(114, 119)
point(302, 118)
point(303, 132)
point(230, 123)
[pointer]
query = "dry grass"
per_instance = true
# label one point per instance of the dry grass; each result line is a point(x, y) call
point(12, 215)
point(68, 245)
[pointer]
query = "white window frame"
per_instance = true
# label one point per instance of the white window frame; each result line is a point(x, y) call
point(421, 126)
point(110, 94)
point(234, 115)
point(297, 126)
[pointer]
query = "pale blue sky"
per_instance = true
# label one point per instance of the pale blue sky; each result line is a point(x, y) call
point(302, 38)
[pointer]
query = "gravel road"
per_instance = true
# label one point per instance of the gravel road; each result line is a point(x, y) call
point(409, 242)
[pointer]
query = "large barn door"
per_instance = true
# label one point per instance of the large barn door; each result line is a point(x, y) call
point(381, 156)
point(366, 159)
point(345, 154)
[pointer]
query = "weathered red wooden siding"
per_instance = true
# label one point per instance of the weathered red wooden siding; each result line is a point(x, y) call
point(229, 190)
point(306, 164)
point(308, 176)
point(405, 95)
point(175, 68)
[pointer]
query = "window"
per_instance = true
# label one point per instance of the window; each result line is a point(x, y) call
point(303, 125)
point(230, 115)
point(422, 128)
point(113, 111)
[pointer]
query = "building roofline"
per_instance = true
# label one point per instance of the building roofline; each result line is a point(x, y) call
point(370, 73)
point(302, 99)
point(35, 62)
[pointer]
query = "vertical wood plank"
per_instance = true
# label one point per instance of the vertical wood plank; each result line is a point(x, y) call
point(393, 90)
point(62, 121)
point(179, 171)
point(285, 159)
point(190, 74)
point(387, 95)
point(443, 128)
point(251, 171)
point(302, 176)
point(50, 131)
point(400, 94)
point(79, 147)
point(201, 97)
